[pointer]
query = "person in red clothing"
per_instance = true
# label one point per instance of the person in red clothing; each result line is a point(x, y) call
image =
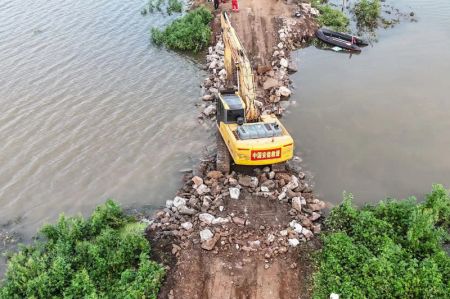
point(234, 5)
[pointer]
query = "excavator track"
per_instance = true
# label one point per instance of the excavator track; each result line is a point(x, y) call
point(223, 159)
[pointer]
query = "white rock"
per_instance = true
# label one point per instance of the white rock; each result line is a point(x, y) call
point(186, 225)
point(169, 203)
point(296, 203)
point(293, 183)
point(213, 90)
point(221, 208)
point(264, 189)
point(207, 97)
point(284, 62)
point(272, 175)
point(334, 296)
point(213, 64)
point(307, 233)
point(296, 226)
point(254, 182)
point(314, 216)
point(179, 201)
point(234, 193)
point(197, 181)
point(211, 109)
point(183, 210)
point(202, 189)
point(284, 91)
point(270, 238)
point(280, 45)
point(206, 218)
point(314, 12)
point(282, 195)
point(293, 242)
point(254, 244)
point(284, 233)
point(302, 200)
point(223, 72)
point(206, 235)
point(220, 220)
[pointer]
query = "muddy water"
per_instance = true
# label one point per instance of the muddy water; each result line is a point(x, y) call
point(89, 110)
point(377, 124)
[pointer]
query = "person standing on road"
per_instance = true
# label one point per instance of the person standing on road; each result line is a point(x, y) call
point(234, 5)
point(216, 4)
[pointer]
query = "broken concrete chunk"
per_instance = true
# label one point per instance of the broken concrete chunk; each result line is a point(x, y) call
point(186, 225)
point(293, 242)
point(234, 193)
point(206, 218)
point(179, 201)
point(206, 235)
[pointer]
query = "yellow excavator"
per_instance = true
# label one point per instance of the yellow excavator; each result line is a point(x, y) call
point(245, 136)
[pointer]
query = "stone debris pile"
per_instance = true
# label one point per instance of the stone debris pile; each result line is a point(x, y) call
point(213, 211)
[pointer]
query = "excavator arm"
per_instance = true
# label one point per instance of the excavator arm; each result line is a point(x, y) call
point(235, 58)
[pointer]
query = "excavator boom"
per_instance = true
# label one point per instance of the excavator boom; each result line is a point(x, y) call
point(236, 58)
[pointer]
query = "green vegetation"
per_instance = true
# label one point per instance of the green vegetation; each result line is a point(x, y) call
point(367, 13)
point(171, 7)
point(391, 250)
point(105, 256)
point(174, 6)
point(331, 17)
point(189, 33)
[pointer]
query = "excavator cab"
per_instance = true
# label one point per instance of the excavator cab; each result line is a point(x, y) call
point(230, 109)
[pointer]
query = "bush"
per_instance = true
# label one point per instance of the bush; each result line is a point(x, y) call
point(105, 256)
point(367, 12)
point(330, 17)
point(390, 250)
point(174, 6)
point(189, 33)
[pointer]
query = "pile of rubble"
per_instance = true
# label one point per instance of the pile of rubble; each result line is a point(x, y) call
point(274, 79)
point(210, 210)
point(215, 80)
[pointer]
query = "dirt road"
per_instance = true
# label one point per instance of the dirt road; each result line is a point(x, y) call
point(242, 263)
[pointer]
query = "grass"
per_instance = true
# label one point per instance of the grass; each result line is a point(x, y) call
point(367, 13)
point(104, 256)
point(394, 249)
point(189, 33)
point(331, 17)
point(172, 6)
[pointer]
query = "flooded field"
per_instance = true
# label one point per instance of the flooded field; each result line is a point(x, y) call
point(90, 110)
point(376, 124)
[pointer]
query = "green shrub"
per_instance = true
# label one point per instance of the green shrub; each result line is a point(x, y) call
point(189, 33)
point(105, 256)
point(330, 17)
point(390, 250)
point(174, 6)
point(367, 12)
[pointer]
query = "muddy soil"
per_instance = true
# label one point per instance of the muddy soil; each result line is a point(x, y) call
point(232, 273)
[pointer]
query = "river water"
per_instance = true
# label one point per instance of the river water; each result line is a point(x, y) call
point(377, 124)
point(90, 110)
